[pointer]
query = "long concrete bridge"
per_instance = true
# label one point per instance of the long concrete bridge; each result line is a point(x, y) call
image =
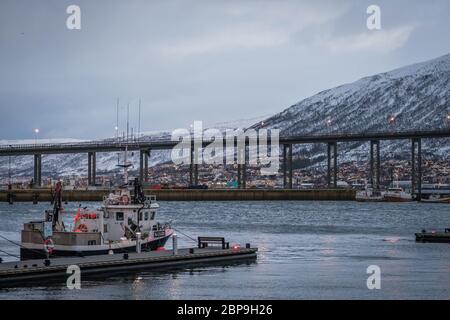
point(286, 142)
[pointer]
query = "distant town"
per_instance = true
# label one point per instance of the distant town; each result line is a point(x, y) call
point(352, 174)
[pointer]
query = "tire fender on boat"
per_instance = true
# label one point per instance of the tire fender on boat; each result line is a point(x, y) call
point(49, 245)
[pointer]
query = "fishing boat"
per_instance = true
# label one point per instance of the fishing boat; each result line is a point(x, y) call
point(397, 194)
point(125, 222)
point(369, 195)
point(436, 199)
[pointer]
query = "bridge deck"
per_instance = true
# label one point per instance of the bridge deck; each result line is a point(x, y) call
point(161, 144)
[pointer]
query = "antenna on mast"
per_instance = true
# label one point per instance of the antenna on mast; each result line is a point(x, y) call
point(128, 121)
point(126, 164)
point(117, 120)
point(139, 122)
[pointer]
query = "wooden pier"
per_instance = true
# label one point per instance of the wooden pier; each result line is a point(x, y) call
point(20, 272)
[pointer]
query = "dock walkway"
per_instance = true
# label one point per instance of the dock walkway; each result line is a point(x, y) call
point(12, 273)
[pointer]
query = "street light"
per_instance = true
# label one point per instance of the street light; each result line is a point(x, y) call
point(391, 119)
point(36, 132)
point(328, 123)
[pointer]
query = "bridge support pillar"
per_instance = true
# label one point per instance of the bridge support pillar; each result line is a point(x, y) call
point(287, 166)
point(239, 176)
point(193, 170)
point(37, 178)
point(92, 168)
point(196, 174)
point(242, 166)
point(375, 164)
point(244, 176)
point(416, 168)
point(332, 165)
point(143, 165)
point(146, 158)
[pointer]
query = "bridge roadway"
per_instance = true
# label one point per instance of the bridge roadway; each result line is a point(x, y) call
point(161, 144)
point(146, 145)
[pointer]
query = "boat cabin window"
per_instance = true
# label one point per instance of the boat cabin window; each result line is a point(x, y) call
point(146, 216)
point(140, 216)
point(105, 228)
point(153, 215)
point(119, 216)
point(92, 243)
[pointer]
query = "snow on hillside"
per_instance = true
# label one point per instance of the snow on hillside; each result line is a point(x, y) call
point(417, 96)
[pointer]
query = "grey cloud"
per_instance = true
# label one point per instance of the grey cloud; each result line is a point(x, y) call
point(192, 60)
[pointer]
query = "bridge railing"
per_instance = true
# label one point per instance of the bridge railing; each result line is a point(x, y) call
point(136, 143)
point(106, 143)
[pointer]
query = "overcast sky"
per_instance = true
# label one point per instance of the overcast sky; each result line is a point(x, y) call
point(194, 60)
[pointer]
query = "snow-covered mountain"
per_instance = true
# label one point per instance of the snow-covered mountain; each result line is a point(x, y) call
point(416, 96)
point(412, 97)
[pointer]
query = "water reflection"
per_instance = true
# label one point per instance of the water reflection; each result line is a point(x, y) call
point(306, 250)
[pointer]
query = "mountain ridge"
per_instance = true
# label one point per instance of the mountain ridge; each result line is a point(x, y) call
point(416, 96)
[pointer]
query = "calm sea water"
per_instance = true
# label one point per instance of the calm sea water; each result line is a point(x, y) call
point(307, 250)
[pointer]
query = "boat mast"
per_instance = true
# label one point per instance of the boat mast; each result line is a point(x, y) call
point(126, 164)
point(125, 174)
point(139, 121)
point(117, 120)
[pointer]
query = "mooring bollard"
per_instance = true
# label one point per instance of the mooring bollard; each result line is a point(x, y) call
point(175, 244)
point(138, 242)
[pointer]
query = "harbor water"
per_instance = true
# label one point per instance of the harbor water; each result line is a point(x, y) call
point(307, 250)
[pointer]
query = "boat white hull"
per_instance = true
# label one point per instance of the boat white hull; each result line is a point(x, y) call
point(370, 199)
point(442, 200)
point(30, 251)
point(397, 199)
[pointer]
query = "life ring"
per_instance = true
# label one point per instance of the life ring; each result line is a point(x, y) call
point(49, 245)
point(82, 228)
point(125, 199)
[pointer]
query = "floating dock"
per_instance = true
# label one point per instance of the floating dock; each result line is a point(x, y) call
point(22, 272)
point(433, 236)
